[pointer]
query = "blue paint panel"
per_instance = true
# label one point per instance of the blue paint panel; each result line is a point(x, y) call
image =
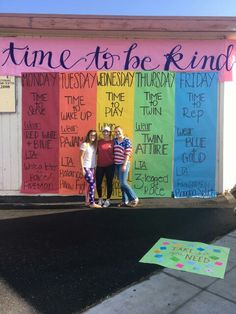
point(195, 134)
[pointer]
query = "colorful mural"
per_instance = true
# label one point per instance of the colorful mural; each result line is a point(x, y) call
point(155, 109)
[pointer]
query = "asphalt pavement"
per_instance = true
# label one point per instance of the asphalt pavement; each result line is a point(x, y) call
point(69, 259)
point(179, 292)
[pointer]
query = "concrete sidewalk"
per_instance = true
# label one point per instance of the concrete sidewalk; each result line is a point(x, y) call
point(172, 291)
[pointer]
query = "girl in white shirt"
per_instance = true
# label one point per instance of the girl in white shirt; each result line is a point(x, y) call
point(88, 163)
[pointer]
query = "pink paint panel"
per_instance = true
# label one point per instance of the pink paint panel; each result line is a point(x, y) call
point(60, 55)
point(40, 125)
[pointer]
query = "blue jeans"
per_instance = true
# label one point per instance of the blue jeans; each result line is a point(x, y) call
point(128, 193)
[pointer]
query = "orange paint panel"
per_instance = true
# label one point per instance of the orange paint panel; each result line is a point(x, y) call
point(78, 93)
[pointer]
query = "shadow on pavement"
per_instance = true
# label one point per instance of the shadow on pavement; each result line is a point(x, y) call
point(62, 263)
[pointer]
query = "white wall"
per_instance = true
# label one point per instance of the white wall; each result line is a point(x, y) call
point(229, 136)
point(10, 148)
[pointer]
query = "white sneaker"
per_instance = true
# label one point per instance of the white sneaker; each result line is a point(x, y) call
point(107, 203)
point(100, 201)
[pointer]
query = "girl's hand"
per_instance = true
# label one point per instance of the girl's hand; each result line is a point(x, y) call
point(123, 168)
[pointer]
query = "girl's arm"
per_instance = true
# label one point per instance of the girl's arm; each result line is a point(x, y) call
point(128, 151)
point(82, 161)
point(123, 167)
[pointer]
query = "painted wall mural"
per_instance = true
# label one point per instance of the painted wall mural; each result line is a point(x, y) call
point(195, 134)
point(170, 118)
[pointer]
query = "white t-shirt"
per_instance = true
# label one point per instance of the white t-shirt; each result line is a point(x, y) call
point(89, 158)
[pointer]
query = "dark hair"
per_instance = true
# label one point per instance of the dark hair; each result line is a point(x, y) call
point(87, 139)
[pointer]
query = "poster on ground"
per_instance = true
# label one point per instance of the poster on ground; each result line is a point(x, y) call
point(194, 257)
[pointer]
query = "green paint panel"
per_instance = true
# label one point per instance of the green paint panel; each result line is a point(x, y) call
point(153, 133)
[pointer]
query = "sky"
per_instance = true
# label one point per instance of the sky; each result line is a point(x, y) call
point(122, 7)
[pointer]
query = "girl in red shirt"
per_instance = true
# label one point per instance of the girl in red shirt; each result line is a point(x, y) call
point(105, 165)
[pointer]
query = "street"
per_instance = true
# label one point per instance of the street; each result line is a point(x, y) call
point(61, 263)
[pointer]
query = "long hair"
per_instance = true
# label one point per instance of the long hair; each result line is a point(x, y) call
point(87, 140)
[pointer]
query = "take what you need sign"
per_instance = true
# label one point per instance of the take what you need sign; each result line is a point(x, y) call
point(193, 257)
point(7, 94)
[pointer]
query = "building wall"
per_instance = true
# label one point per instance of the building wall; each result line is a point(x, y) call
point(10, 147)
point(229, 134)
point(77, 26)
point(10, 142)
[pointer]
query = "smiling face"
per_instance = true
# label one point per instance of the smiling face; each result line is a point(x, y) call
point(106, 134)
point(92, 136)
point(119, 133)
